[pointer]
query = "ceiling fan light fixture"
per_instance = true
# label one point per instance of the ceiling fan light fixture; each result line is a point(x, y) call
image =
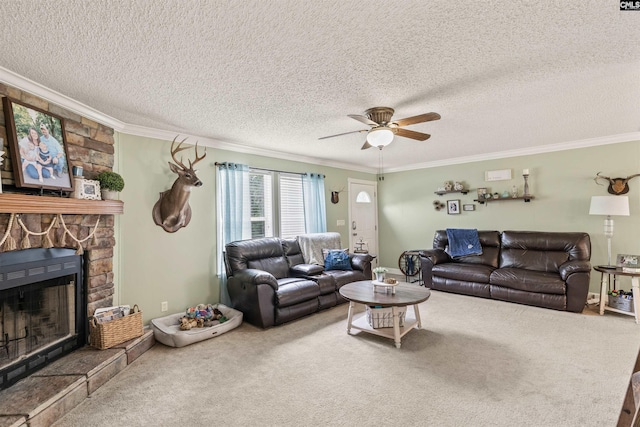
point(380, 136)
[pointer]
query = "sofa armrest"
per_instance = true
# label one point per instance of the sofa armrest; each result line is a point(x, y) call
point(571, 267)
point(252, 277)
point(361, 262)
point(253, 292)
point(305, 270)
point(436, 256)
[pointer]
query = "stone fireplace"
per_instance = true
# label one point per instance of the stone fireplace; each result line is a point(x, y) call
point(71, 298)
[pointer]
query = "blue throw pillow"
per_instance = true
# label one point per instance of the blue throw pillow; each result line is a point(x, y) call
point(337, 259)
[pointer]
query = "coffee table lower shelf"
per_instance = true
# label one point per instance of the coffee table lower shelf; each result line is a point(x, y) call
point(361, 324)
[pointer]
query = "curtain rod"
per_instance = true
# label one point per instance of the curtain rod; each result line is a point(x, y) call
point(272, 170)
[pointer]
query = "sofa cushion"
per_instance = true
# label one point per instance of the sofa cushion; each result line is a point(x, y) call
point(336, 259)
point(546, 251)
point(479, 273)
point(292, 251)
point(528, 280)
point(342, 277)
point(489, 240)
point(262, 254)
point(292, 291)
point(303, 270)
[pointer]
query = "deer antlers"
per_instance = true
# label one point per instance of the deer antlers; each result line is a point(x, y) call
point(616, 185)
point(179, 148)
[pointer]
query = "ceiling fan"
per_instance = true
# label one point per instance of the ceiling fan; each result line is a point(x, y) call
point(383, 129)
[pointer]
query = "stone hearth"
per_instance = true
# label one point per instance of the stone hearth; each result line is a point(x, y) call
point(49, 394)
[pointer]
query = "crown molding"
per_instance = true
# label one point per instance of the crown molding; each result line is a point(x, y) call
point(27, 85)
point(550, 148)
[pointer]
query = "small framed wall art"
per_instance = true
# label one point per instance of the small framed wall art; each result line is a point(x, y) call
point(86, 189)
point(469, 207)
point(453, 207)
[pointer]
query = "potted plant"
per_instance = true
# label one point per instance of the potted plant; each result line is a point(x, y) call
point(110, 184)
point(379, 272)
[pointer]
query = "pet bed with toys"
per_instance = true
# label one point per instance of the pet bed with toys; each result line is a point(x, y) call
point(198, 323)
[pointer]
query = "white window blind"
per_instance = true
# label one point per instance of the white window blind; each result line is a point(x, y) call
point(291, 206)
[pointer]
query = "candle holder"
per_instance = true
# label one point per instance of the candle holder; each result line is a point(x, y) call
point(526, 184)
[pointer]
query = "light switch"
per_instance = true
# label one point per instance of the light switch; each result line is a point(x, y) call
point(340, 222)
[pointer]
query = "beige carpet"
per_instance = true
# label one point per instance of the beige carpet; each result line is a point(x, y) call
point(476, 362)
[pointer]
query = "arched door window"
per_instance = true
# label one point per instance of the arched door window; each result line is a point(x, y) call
point(363, 197)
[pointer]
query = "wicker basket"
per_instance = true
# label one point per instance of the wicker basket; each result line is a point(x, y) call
point(114, 332)
point(382, 317)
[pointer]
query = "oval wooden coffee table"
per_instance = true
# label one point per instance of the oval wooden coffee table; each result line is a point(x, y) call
point(405, 294)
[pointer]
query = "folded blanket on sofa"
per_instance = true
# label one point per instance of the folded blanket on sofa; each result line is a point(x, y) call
point(311, 246)
point(463, 242)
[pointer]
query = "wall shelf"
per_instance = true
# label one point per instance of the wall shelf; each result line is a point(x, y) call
point(503, 199)
point(440, 193)
point(28, 204)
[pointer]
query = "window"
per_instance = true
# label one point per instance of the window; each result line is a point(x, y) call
point(260, 190)
point(276, 195)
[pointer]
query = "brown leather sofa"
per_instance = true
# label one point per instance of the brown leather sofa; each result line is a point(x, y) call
point(270, 283)
point(543, 269)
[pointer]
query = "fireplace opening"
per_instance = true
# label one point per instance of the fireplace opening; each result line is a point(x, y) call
point(42, 309)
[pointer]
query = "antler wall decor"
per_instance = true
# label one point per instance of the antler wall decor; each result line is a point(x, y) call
point(172, 210)
point(617, 186)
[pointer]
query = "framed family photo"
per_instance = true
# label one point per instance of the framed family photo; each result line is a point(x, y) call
point(38, 147)
point(453, 207)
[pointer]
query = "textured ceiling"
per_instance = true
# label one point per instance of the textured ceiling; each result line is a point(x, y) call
point(276, 75)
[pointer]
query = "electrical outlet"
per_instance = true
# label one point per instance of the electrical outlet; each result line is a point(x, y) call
point(593, 298)
point(164, 306)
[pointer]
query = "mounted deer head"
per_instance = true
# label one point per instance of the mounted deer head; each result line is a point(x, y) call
point(172, 210)
point(616, 185)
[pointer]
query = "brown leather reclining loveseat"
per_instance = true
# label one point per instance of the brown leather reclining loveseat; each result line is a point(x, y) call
point(544, 269)
point(269, 281)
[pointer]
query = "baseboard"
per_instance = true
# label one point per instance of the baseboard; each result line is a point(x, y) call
point(593, 298)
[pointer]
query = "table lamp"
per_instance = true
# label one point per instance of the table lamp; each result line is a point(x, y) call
point(609, 205)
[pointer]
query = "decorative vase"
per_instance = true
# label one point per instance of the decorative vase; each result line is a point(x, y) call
point(380, 277)
point(109, 194)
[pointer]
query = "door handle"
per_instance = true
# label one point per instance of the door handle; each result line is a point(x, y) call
point(353, 225)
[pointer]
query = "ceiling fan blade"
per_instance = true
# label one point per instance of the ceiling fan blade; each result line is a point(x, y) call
point(417, 119)
point(346, 133)
point(366, 145)
point(363, 119)
point(412, 134)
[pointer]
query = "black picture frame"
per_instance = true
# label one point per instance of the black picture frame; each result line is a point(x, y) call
point(453, 207)
point(45, 166)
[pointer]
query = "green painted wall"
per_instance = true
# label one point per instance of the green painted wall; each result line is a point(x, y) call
point(155, 266)
point(562, 183)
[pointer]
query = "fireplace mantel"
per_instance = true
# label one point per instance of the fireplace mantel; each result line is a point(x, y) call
point(27, 204)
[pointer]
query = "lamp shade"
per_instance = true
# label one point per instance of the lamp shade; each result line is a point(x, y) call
point(609, 205)
point(380, 136)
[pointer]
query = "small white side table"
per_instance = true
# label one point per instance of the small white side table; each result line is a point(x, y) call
point(635, 289)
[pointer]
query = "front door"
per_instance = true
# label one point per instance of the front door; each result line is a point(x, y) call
point(363, 216)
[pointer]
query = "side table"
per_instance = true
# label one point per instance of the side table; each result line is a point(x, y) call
point(605, 274)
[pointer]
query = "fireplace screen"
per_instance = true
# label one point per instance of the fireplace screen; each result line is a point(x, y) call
point(42, 309)
point(36, 316)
